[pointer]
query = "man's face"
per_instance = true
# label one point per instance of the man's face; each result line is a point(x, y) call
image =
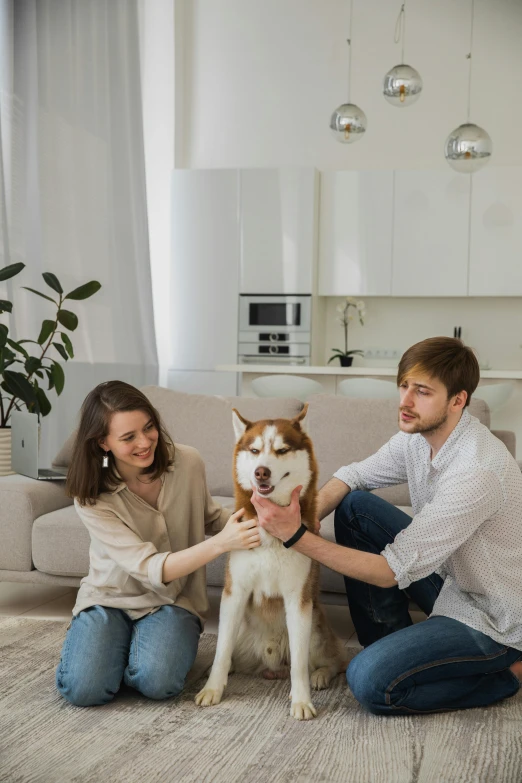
point(424, 404)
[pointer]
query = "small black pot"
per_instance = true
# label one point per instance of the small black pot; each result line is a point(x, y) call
point(346, 361)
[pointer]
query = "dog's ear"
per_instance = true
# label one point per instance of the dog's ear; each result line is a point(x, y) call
point(299, 421)
point(240, 424)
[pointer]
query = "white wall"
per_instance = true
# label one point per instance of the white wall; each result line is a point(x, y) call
point(261, 78)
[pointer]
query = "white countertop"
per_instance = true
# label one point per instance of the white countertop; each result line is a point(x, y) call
point(292, 369)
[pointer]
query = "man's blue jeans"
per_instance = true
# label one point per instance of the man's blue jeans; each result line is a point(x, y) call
point(434, 666)
point(103, 646)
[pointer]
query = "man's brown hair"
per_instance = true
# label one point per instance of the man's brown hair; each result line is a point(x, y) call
point(86, 479)
point(445, 358)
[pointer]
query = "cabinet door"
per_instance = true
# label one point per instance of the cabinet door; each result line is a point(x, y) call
point(496, 232)
point(431, 233)
point(355, 233)
point(205, 269)
point(277, 230)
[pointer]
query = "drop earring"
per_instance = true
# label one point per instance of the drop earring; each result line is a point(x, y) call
point(105, 461)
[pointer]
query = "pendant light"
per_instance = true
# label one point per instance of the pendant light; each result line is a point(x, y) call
point(348, 122)
point(468, 148)
point(402, 84)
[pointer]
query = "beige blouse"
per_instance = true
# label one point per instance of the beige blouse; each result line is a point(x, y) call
point(130, 541)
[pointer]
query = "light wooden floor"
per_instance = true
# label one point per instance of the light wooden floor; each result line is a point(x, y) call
point(46, 602)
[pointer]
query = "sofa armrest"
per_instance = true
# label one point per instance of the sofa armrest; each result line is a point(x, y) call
point(508, 438)
point(22, 500)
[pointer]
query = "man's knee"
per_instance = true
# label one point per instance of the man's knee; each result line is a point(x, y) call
point(364, 677)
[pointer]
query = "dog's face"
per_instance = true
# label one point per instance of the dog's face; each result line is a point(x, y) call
point(272, 455)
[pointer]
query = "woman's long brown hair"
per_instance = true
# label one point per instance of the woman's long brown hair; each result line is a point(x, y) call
point(86, 479)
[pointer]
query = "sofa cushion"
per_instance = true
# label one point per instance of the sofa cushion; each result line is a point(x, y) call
point(205, 422)
point(348, 429)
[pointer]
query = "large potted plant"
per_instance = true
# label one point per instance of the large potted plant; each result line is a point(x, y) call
point(346, 357)
point(25, 365)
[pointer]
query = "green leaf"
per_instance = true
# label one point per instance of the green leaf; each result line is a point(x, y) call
point(44, 405)
point(4, 331)
point(61, 351)
point(39, 294)
point(18, 385)
point(47, 329)
point(332, 358)
point(58, 377)
point(39, 373)
point(27, 341)
point(84, 291)
point(10, 271)
point(17, 347)
point(5, 306)
point(50, 378)
point(53, 282)
point(67, 319)
point(7, 358)
point(68, 344)
point(32, 365)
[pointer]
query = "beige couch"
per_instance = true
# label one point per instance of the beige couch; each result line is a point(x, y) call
point(44, 541)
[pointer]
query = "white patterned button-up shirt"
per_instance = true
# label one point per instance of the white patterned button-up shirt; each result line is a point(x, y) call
point(467, 523)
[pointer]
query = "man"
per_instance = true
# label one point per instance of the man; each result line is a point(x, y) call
point(459, 558)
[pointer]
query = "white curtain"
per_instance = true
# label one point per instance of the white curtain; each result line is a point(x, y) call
point(77, 193)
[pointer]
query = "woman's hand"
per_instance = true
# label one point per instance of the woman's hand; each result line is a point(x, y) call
point(238, 535)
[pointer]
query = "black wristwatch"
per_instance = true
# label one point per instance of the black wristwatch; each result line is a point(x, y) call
point(295, 538)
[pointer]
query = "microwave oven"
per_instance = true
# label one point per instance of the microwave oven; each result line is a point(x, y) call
point(262, 316)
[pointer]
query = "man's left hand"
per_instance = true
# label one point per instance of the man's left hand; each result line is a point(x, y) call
point(280, 521)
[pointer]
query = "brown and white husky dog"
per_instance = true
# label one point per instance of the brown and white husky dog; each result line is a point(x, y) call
point(270, 615)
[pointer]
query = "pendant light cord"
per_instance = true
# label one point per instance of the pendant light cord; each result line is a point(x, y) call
point(400, 29)
point(349, 42)
point(469, 55)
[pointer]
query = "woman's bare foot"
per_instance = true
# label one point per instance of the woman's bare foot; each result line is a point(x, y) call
point(517, 670)
point(282, 674)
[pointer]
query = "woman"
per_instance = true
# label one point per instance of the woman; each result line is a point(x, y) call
point(145, 502)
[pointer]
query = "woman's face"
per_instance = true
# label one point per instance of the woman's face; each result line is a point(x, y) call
point(132, 439)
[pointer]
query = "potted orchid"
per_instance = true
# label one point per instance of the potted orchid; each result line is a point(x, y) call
point(25, 365)
point(346, 357)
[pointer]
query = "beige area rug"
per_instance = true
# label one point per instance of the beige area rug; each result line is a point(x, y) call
point(249, 737)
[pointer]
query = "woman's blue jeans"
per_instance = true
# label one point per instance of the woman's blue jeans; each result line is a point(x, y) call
point(103, 646)
point(433, 666)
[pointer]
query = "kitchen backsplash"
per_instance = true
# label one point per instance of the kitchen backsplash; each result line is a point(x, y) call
point(492, 327)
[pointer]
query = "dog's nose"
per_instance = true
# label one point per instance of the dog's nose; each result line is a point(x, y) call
point(262, 474)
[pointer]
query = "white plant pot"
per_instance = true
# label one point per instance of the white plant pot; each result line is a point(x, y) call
point(5, 452)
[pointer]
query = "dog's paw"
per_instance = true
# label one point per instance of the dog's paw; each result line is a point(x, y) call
point(320, 679)
point(301, 710)
point(208, 697)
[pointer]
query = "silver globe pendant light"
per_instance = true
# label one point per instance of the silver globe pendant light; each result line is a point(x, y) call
point(468, 148)
point(348, 122)
point(402, 84)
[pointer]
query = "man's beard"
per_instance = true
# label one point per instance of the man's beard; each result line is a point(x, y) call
point(428, 425)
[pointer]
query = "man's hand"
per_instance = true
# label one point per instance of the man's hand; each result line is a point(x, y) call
point(280, 521)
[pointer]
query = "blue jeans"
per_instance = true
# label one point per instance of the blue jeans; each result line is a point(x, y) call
point(437, 665)
point(103, 646)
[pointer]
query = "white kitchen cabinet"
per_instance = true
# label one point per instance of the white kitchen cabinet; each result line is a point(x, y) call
point(355, 233)
point(205, 269)
point(277, 208)
point(431, 233)
point(496, 232)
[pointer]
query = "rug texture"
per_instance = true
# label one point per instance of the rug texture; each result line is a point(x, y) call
point(250, 736)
